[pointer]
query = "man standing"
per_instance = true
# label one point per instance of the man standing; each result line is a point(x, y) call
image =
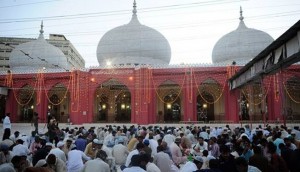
point(35, 121)
point(6, 122)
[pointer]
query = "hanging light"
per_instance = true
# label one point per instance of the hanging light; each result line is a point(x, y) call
point(123, 106)
point(169, 106)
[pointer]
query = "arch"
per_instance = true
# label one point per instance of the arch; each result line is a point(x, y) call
point(292, 101)
point(208, 106)
point(58, 102)
point(25, 98)
point(112, 102)
point(169, 102)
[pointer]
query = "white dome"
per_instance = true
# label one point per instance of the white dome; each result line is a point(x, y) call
point(240, 45)
point(37, 54)
point(133, 43)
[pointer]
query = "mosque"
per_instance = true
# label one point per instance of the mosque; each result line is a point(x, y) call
point(134, 82)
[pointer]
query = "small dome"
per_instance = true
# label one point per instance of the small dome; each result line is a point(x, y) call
point(133, 43)
point(240, 45)
point(37, 54)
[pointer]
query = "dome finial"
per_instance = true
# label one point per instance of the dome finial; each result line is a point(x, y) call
point(241, 14)
point(42, 26)
point(134, 11)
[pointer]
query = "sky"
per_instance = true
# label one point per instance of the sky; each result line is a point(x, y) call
point(192, 27)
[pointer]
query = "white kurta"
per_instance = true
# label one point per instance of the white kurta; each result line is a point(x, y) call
point(20, 150)
point(96, 165)
point(151, 167)
point(120, 152)
point(6, 123)
point(163, 161)
point(153, 145)
point(188, 167)
point(134, 169)
point(128, 159)
point(75, 163)
point(59, 154)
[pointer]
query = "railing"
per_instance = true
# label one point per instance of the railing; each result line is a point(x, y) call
point(221, 122)
point(191, 122)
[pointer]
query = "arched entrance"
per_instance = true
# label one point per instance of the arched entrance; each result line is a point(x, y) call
point(253, 100)
point(102, 107)
point(292, 100)
point(244, 108)
point(169, 102)
point(26, 104)
point(58, 102)
point(205, 111)
point(112, 102)
point(210, 104)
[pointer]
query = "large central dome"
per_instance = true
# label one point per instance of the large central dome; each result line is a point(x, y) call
point(133, 43)
point(240, 45)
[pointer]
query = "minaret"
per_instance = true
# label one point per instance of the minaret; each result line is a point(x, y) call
point(41, 36)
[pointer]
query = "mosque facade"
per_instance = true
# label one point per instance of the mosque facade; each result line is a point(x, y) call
point(135, 83)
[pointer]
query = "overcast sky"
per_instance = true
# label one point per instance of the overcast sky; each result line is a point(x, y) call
point(192, 27)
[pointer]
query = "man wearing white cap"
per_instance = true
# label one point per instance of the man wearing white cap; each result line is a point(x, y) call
point(58, 152)
point(92, 148)
point(75, 159)
point(120, 152)
point(194, 165)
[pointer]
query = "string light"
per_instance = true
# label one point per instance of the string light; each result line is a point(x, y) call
point(177, 94)
point(217, 98)
point(256, 93)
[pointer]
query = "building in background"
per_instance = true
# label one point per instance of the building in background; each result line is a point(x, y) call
point(135, 83)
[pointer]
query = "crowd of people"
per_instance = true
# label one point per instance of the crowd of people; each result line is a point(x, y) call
point(193, 148)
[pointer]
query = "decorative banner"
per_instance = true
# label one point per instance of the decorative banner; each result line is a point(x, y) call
point(40, 78)
point(75, 91)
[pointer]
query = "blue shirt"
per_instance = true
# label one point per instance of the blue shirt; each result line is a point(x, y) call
point(81, 144)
